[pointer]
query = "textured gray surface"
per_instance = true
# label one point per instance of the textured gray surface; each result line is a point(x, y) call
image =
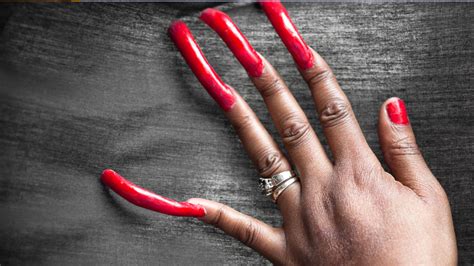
point(85, 87)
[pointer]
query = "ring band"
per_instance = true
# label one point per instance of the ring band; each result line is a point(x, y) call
point(268, 185)
point(280, 188)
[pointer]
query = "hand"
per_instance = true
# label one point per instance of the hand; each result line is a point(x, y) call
point(345, 211)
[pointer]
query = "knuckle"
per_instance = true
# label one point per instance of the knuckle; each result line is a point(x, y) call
point(319, 77)
point(243, 123)
point(273, 87)
point(295, 131)
point(218, 219)
point(247, 233)
point(367, 173)
point(335, 112)
point(269, 162)
point(402, 147)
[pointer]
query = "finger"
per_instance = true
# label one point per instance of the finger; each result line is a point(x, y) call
point(298, 136)
point(147, 199)
point(341, 128)
point(400, 149)
point(258, 143)
point(263, 238)
point(264, 152)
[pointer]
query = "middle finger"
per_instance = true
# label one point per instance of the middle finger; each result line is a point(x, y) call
point(298, 136)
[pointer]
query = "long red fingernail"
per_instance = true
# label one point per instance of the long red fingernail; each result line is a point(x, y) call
point(288, 33)
point(221, 23)
point(397, 112)
point(196, 60)
point(147, 199)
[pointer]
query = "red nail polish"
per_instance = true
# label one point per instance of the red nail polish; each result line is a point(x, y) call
point(147, 199)
point(223, 25)
point(288, 33)
point(184, 41)
point(397, 112)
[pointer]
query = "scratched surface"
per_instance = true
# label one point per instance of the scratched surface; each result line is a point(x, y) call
point(89, 86)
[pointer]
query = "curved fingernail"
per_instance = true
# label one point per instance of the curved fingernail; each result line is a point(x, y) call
point(148, 199)
point(288, 33)
point(194, 57)
point(223, 25)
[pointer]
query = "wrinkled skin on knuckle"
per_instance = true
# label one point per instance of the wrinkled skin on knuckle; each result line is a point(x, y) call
point(218, 218)
point(318, 77)
point(272, 87)
point(269, 163)
point(401, 147)
point(295, 131)
point(244, 122)
point(247, 234)
point(428, 188)
point(335, 112)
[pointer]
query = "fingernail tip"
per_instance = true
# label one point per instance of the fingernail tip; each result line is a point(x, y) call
point(107, 172)
point(107, 175)
point(175, 25)
point(206, 13)
point(393, 98)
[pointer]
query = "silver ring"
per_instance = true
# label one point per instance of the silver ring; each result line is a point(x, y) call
point(279, 189)
point(268, 184)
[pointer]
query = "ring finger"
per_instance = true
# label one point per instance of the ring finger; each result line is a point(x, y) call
point(258, 143)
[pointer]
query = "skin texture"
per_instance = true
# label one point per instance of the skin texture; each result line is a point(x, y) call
point(147, 199)
point(348, 210)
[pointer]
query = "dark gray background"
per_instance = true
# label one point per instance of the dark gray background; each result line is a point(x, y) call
point(88, 86)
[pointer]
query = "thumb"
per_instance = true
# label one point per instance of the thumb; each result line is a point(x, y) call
point(400, 150)
point(263, 238)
